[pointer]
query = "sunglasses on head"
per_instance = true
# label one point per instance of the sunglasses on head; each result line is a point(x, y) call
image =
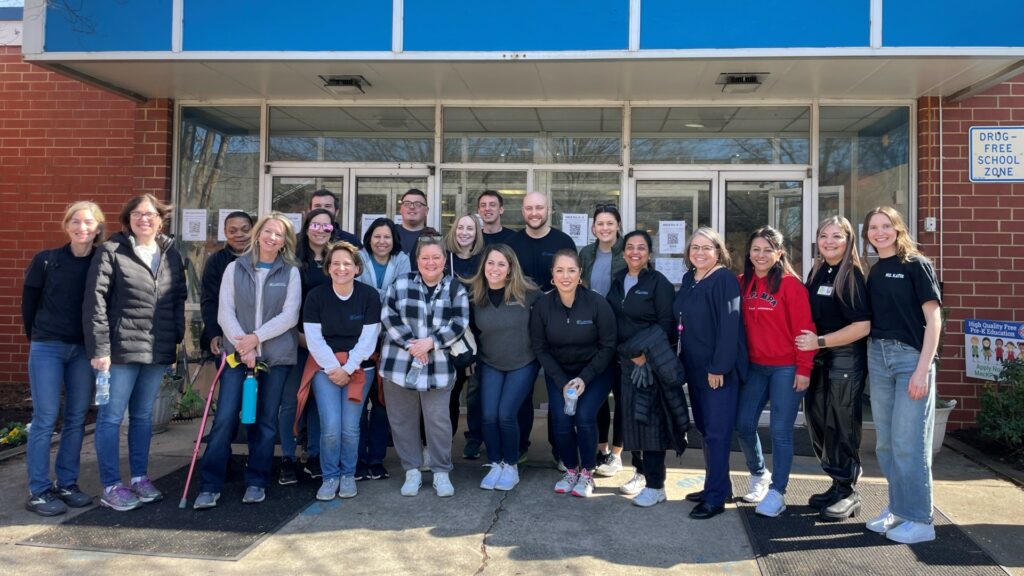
point(320, 227)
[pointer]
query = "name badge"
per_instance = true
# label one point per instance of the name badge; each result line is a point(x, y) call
point(824, 290)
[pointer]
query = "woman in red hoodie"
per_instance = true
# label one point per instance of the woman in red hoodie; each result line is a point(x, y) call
point(776, 310)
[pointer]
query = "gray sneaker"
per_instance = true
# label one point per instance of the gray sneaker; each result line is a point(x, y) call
point(73, 496)
point(146, 491)
point(347, 487)
point(254, 495)
point(46, 503)
point(206, 500)
point(120, 498)
point(328, 489)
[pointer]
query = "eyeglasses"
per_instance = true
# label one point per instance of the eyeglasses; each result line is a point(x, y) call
point(699, 248)
point(144, 215)
point(321, 227)
point(606, 207)
point(414, 204)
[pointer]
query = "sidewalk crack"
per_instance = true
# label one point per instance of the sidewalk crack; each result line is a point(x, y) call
point(485, 556)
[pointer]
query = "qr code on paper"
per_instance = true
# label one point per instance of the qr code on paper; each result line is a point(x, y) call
point(673, 238)
point(575, 230)
point(194, 229)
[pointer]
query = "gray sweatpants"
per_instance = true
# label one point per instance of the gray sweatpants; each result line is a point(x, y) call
point(404, 409)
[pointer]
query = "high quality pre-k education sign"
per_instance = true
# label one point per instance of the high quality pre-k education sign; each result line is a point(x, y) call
point(997, 153)
point(989, 343)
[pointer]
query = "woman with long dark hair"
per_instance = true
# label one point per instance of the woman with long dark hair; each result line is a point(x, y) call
point(51, 309)
point(134, 316)
point(832, 406)
point(775, 311)
point(906, 322)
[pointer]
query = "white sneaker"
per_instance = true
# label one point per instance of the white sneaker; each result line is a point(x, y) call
point(634, 485)
point(612, 465)
point(567, 482)
point(328, 489)
point(759, 486)
point(911, 533)
point(649, 497)
point(772, 505)
point(584, 485)
point(509, 477)
point(413, 481)
point(425, 466)
point(884, 522)
point(442, 485)
point(560, 465)
point(492, 477)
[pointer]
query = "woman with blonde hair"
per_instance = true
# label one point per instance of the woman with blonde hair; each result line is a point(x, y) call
point(134, 320)
point(906, 322)
point(839, 308)
point(502, 297)
point(464, 243)
point(260, 298)
point(51, 311)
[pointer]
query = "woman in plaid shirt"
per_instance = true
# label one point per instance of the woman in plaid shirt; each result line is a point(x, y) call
point(424, 313)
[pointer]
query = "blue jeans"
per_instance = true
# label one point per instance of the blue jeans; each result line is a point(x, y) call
point(289, 404)
point(374, 429)
point(903, 427)
point(52, 366)
point(261, 435)
point(764, 383)
point(501, 396)
point(133, 387)
point(576, 436)
point(339, 425)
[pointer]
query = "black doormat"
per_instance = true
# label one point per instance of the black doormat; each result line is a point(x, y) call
point(801, 441)
point(226, 532)
point(797, 543)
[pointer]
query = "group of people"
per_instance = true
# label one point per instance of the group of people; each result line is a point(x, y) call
point(353, 342)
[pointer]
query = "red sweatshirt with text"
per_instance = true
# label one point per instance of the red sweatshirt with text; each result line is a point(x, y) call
point(773, 321)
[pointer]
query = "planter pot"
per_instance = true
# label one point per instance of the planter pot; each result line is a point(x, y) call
point(166, 400)
point(942, 411)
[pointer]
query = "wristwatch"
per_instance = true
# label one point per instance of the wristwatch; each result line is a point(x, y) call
point(821, 342)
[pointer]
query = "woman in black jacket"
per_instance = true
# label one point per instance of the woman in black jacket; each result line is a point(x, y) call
point(237, 228)
point(572, 331)
point(134, 318)
point(642, 297)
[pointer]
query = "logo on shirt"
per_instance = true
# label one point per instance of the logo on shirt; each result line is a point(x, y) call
point(765, 297)
point(641, 292)
point(584, 322)
point(278, 284)
point(894, 275)
point(353, 317)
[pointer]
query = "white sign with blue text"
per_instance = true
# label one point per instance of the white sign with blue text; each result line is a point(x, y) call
point(989, 343)
point(996, 153)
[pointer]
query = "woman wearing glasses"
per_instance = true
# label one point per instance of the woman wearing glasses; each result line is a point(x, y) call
point(383, 263)
point(839, 308)
point(905, 326)
point(311, 253)
point(713, 349)
point(134, 317)
point(601, 261)
point(776, 310)
point(424, 314)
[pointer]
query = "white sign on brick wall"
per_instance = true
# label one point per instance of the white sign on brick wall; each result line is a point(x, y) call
point(997, 153)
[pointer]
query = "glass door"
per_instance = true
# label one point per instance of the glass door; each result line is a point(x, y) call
point(376, 193)
point(670, 206)
point(750, 200)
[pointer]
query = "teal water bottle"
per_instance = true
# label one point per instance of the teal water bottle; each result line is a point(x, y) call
point(249, 388)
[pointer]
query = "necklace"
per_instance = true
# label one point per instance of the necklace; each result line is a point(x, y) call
point(705, 275)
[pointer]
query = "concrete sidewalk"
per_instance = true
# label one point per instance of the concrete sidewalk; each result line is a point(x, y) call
point(530, 530)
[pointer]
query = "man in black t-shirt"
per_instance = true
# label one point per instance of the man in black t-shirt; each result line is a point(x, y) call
point(535, 245)
point(490, 206)
point(414, 210)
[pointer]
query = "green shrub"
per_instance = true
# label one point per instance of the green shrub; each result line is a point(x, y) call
point(12, 434)
point(1002, 407)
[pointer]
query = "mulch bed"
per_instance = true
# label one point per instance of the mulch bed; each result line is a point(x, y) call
point(992, 448)
point(23, 414)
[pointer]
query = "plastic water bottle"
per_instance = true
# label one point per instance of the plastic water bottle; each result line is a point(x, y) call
point(102, 387)
point(413, 375)
point(249, 389)
point(570, 401)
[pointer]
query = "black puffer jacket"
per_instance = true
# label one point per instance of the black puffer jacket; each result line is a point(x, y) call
point(659, 417)
point(132, 314)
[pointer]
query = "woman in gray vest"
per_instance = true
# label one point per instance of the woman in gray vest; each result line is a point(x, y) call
point(260, 298)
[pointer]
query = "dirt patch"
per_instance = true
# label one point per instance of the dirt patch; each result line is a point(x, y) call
point(991, 448)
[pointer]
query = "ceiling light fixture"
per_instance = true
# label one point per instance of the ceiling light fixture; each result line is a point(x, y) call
point(740, 82)
point(694, 125)
point(347, 85)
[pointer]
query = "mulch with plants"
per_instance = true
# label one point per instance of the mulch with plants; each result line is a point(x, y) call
point(992, 448)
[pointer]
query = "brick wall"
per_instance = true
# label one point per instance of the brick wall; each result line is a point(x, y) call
point(61, 141)
point(982, 262)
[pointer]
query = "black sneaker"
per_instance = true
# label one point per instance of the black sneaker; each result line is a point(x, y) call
point(74, 497)
point(602, 457)
point(46, 503)
point(379, 472)
point(472, 449)
point(362, 471)
point(286, 475)
point(312, 467)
